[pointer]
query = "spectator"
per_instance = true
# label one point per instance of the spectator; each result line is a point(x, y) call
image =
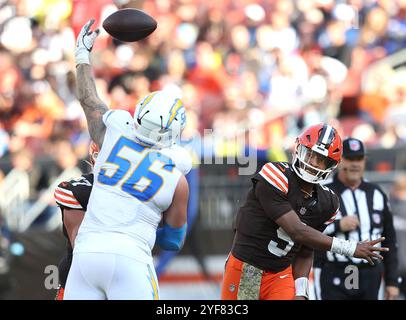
point(23, 161)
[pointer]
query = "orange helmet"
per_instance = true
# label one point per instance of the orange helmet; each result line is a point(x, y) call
point(320, 143)
point(93, 152)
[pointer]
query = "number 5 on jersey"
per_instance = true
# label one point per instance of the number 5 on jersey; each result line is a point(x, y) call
point(142, 170)
point(287, 245)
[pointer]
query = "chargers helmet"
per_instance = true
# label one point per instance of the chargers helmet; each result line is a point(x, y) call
point(159, 119)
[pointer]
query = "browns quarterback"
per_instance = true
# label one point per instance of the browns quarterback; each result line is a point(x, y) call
point(282, 221)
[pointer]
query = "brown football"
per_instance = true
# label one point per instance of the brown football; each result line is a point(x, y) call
point(129, 25)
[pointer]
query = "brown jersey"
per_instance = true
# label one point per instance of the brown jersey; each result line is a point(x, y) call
point(74, 194)
point(259, 240)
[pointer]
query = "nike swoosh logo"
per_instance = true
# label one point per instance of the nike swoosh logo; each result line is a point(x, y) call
point(284, 276)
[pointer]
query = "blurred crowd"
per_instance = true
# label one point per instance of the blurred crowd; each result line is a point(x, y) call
point(271, 65)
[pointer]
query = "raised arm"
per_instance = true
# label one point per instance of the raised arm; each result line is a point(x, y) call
point(93, 107)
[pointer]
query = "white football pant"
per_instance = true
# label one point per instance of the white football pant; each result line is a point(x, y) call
point(101, 276)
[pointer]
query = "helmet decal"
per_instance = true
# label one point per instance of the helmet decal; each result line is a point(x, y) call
point(173, 112)
point(145, 102)
point(326, 135)
point(154, 120)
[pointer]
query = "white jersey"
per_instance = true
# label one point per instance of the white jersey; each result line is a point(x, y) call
point(133, 185)
point(180, 156)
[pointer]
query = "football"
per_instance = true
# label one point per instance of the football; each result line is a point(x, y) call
point(129, 25)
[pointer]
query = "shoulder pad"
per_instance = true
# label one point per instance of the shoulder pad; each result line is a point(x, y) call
point(120, 120)
point(64, 196)
point(74, 194)
point(180, 156)
point(275, 174)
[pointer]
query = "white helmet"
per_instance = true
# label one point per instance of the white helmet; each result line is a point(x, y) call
point(159, 119)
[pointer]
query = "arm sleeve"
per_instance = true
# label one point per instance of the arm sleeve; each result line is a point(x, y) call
point(274, 202)
point(390, 258)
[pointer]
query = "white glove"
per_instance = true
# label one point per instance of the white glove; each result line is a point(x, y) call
point(84, 43)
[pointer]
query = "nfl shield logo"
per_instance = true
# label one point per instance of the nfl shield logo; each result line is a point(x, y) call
point(354, 145)
point(302, 210)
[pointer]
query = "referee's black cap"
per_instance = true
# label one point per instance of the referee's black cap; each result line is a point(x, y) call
point(353, 148)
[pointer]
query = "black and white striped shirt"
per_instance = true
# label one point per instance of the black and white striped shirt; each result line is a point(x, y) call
point(370, 205)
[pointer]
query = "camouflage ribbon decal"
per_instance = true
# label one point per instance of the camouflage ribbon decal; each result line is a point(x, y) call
point(250, 283)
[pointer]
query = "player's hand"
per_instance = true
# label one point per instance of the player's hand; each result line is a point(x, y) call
point(87, 37)
point(299, 298)
point(85, 42)
point(391, 293)
point(349, 223)
point(366, 250)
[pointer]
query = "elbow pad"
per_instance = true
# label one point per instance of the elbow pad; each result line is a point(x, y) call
point(169, 238)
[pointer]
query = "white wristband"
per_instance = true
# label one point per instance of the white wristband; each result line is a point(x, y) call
point(82, 56)
point(302, 287)
point(345, 247)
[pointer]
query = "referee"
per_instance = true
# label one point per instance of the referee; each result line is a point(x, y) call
point(364, 214)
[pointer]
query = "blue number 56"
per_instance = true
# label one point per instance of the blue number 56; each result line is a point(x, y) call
point(142, 170)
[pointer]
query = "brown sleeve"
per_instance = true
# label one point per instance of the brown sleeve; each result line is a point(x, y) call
point(274, 202)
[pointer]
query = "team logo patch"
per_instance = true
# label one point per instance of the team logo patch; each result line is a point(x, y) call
point(376, 217)
point(354, 145)
point(232, 288)
point(302, 210)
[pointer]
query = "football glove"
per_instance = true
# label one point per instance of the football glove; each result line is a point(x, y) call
point(84, 43)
